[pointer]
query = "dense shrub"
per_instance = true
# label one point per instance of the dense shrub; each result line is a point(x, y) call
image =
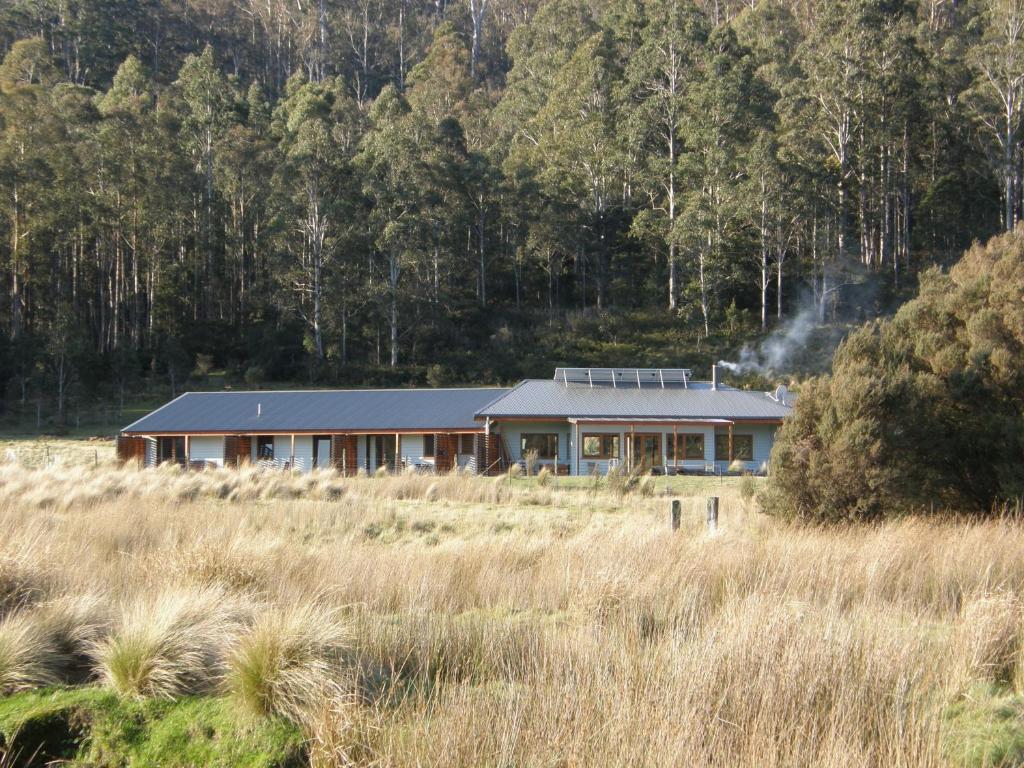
point(922, 412)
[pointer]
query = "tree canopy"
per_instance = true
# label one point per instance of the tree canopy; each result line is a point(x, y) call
point(368, 190)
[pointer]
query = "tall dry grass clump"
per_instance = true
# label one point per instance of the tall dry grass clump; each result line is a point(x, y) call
point(285, 660)
point(49, 643)
point(21, 582)
point(987, 640)
point(170, 644)
point(63, 488)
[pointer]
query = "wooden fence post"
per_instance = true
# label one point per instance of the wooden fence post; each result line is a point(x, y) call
point(677, 514)
point(712, 513)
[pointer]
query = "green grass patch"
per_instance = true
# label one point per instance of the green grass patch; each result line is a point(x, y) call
point(94, 727)
point(985, 729)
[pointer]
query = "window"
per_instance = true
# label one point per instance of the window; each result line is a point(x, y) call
point(165, 449)
point(691, 447)
point(171, 449)
point(428, 446)
point(742, 447)
point(545, 444)
point(265, 447)
point(466, 443)
point(600, 446)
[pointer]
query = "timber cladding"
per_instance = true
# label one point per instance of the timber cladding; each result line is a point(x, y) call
point(488, 453)
point(237, 450)
point(446, 449)
point(345, 453)
point(131, 449)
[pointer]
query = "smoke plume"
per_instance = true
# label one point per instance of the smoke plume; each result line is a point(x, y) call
point(775, 354)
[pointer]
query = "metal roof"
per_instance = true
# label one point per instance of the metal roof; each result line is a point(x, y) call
point(545, 398)
point(319, 411)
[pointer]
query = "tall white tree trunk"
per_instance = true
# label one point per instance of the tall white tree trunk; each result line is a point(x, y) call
point(477, 9)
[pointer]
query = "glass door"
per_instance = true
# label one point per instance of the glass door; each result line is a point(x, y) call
point(321, 451)
point(386, 451)
point(645, 450)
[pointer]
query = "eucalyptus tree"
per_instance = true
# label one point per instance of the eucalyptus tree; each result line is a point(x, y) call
point(822, 105)
point(207, 111)
point(659, 76)
point(996, 96)
point(246, 158)
point(580, 153)
point(439, 90)
point(128, 155)
point(723, 110)
point(28, 131)
point(389, 168)
point(891, 67)
point(319, 127)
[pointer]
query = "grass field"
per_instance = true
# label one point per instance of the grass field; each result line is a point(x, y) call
point(458, 621)
point(39, 452)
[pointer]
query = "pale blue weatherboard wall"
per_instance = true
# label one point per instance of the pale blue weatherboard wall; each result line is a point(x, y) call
point(571, 454)
point(513, 432)
point(764, 439)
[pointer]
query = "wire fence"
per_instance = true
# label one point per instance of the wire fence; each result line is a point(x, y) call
point(89, 453)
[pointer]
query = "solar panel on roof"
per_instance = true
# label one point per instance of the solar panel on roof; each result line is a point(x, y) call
point(635, 378)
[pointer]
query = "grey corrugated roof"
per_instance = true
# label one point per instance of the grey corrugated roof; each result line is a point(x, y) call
point(319, 410)
point(544, 398)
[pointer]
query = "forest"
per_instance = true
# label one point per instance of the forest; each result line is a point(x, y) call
point(410, 191)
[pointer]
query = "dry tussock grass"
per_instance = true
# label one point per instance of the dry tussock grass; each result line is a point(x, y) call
point(461, 621)
point(171, 643)
point(285, 660)
point(48, 643)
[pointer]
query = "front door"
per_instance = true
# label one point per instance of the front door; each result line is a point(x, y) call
point(321, 452)
point(646, 450)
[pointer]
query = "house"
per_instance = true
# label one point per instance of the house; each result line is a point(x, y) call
point(580, 422)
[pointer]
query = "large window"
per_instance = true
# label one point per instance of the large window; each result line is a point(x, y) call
point(428, 446)
point(171, 449)
point(742, 447)
point(265, 447)
point(690, 447)
point(600, 446)
point(466, 444)
point(545, 444)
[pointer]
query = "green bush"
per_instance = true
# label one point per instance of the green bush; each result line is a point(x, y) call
point(748, 487)
point(624, 481)
point(923, 412)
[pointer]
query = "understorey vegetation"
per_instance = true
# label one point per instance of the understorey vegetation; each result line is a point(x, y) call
point(449, 624)
point(921, 413)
